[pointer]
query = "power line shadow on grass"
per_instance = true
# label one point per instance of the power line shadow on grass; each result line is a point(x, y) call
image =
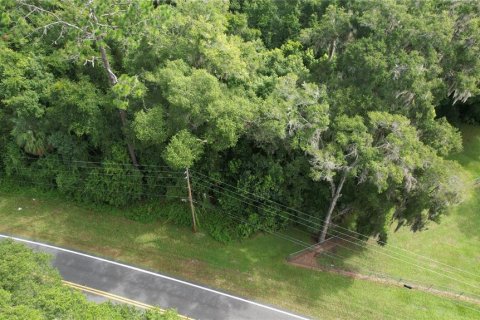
point(340, 258)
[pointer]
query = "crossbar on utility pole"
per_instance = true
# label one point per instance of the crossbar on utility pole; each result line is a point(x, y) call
point(190, 199)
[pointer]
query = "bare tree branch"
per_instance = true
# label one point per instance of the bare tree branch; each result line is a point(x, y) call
point(59, 20)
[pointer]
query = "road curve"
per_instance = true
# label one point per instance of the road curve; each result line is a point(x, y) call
point(152, 288)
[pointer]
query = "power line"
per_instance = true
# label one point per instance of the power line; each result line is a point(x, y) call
point(386, 275)
point(367, 243)
point(337, 226)
point(103, 164)
point(273, 208)
point(295, 241)
point(298, 242)
point(330, 254)
point(411, 252)
point(98, 171)
point(243, 201)
point(380, 250)
point(121, 192)
point(112, 175)
point(279, 204)
point(284, 237)
point(116, 182)
point(303, 244)
point(257, 196)
point(402, 260)
point(113, 170)
point(257, 207)
point(282, 216)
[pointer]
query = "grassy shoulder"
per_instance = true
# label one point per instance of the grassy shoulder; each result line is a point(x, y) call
point(455, 241)
point(253, 268)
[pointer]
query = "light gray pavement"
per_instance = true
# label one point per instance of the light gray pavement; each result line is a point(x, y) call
point(151, 288)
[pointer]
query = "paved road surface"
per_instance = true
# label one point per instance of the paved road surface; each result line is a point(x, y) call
point(151, 288)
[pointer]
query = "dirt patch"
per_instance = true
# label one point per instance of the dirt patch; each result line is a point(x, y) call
point(308, 259)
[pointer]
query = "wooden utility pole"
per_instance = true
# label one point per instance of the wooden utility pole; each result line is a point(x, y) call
point(194, 218)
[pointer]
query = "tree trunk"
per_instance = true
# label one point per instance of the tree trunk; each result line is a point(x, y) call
point(112, 78)
point(335, 196)
point(333, 47)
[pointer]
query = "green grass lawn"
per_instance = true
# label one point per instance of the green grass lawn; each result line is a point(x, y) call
point(256, 268)
point(455, 241)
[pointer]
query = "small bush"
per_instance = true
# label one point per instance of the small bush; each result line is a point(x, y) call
point(145, 212)
point(219, 227)
point(175, 212)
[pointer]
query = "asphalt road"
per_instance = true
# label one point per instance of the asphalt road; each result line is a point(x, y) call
point(151, 288)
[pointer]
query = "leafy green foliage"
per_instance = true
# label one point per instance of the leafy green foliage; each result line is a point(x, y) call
point(278, 21)
point(183, 150)
point(151, 211)
point(149, 126)
point(30, 288)
point(297, 101)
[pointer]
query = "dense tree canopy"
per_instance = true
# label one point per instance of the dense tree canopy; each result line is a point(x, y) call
point(298, 102)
